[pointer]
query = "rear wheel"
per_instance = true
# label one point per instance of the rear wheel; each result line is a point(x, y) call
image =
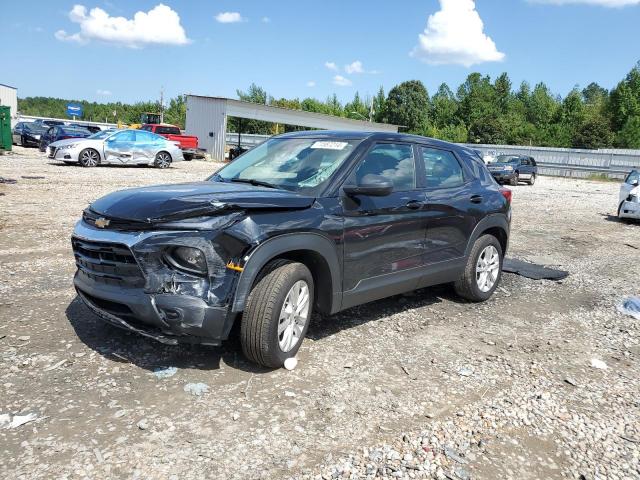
point(163, 160)
point(532, 180)
point(483, 270)
point(276, 318)
point(89, 157)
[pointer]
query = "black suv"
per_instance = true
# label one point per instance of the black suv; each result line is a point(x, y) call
point(514, 169)
point(308, 221)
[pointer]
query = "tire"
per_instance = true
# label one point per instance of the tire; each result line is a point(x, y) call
point(263, 314)
point(21, 141)
point(163, 160)
point(515, 179)
point(467, 285)
point(89, 158)
point(532, 180)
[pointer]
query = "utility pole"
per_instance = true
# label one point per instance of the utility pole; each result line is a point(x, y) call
point(161, 104)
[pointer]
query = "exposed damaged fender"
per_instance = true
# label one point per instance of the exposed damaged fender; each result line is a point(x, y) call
point(287, 243)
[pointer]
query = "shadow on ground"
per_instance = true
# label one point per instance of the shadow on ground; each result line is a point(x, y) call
point(121, 346)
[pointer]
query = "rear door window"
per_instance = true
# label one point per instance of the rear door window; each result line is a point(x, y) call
point(442, 168)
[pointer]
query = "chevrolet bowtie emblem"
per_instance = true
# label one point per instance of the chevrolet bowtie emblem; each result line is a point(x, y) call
point(102, 222)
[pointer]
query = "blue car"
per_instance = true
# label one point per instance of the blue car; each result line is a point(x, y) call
point(514, 169)
point(62, 132)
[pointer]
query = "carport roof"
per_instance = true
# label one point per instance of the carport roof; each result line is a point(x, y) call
point(269, 113)
point(8, 86)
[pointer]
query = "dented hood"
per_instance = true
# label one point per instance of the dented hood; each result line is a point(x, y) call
point(184, 200)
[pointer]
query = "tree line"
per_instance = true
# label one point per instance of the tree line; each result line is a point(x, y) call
point(481, 110)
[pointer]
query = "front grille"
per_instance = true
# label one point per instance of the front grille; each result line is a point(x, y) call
point(109, 263)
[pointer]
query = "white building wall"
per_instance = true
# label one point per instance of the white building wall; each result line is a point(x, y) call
point(9, 98)
point(207, 120)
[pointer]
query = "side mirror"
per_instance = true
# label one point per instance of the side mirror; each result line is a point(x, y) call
point(370, 185)
point(635, 183)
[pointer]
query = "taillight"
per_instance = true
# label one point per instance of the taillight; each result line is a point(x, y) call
point(506, 193)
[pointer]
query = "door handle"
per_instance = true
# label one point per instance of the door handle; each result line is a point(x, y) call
point(476, 199)
point(415, 205)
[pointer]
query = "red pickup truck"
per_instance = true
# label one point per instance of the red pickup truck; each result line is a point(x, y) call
point(188, 143)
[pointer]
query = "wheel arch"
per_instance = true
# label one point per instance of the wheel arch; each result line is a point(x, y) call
point(496, 225)
point(313, 250)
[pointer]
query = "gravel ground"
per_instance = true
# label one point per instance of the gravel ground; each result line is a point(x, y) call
point(416, 386)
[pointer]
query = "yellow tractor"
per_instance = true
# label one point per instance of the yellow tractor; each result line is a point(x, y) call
point(145, 118)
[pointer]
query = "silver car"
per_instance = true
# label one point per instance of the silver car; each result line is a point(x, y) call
point(120, 147)
point(629, 199)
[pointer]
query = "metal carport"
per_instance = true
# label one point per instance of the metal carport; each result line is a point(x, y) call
point(207, 119)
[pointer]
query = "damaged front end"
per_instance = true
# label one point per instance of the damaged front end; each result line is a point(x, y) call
point(630, 206)
point(169, 280)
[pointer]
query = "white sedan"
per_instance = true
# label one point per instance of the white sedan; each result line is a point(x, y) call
point(120, 147)
point(629, 200)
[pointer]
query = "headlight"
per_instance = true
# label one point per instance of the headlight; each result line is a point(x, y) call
point(188, 259)
point(72, 145)
point(508, 168)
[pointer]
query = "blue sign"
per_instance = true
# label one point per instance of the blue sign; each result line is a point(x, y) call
point(74, 110)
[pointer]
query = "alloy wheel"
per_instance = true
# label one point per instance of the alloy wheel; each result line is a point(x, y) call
point(487, 268)
point(89, 158)
point(293, 316)
point(163, 160)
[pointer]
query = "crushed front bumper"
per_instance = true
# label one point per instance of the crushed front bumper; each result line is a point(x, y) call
point(116, 287)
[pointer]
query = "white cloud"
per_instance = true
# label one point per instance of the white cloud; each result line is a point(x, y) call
point(158, 26)
point(104, 93)
point(340, 81)
point(331, 66)
point(311, 83)
point(455, 35)
point(265, 20)
point(229, 17)
point(354, 67)
point(601, 3)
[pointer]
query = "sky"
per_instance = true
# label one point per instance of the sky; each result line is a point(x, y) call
point(119, 50)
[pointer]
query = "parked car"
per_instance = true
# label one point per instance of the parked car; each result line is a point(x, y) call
point(61, 132)
point(120, 147)
point(48, 123)
point(188, 143)
point(27, 134)
point(307, 221)
point(629, 199)
point(514, 169)
point(91, 128)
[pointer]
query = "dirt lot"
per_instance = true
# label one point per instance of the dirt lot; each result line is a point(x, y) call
point(414, 386)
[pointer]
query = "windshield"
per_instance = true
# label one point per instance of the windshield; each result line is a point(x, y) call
point(297, 164)
point(101, 134)
point(507, 158)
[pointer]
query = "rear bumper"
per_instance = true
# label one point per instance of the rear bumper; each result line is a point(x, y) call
point(169, 319)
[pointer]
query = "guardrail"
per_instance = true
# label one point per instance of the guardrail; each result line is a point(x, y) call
point(568, 162)
point(31, 118)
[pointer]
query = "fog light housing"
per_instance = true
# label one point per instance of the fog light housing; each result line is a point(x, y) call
point(188, 259)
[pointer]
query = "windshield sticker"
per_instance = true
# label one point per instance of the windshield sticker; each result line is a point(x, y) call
point(330, 145)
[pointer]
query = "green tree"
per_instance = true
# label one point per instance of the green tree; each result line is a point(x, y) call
point(408, 105)
point(593, 133)
point(629, 136)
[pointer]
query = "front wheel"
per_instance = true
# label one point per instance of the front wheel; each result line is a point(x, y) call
point(163, 160)
point(89, 158)
point(483, 270)
point(515, 179)
point(276, 318)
